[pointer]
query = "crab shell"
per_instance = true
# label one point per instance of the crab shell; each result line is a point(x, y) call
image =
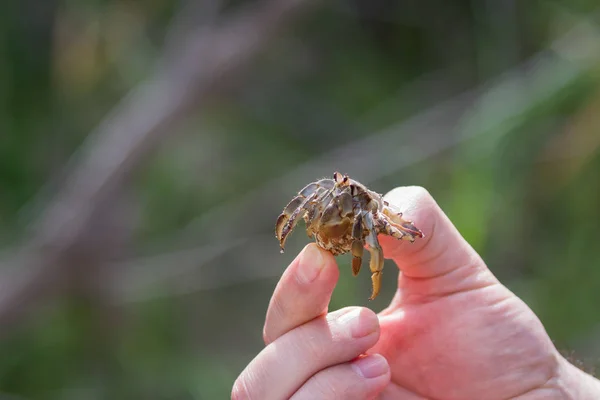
point(342, 215)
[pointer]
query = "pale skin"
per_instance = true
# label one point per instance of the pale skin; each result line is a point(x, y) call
point(452, 330)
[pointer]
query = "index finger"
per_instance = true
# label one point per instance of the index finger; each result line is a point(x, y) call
point(303, 292)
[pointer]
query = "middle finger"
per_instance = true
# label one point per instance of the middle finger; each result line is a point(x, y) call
point(284, 365)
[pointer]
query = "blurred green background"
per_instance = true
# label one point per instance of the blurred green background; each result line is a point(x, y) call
point(493, 106)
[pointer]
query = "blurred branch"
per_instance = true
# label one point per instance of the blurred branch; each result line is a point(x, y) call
point(147, 278)
point(510, 97)
point(417, 139)
point(193, 15)
point(197, 65)
point(309, 118)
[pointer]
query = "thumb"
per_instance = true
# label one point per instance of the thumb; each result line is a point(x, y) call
point(439, 264)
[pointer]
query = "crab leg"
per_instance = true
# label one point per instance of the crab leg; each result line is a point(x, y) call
point(309, 190)
point(390, 229)
point(325, 199)
point(328, 209)
point(314, 213)
point(376, 262)
point(357, 245)
point(291, 223)
point(396, 220)
point(287, 213)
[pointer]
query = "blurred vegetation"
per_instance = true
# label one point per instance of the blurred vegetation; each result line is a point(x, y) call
point(518, 173)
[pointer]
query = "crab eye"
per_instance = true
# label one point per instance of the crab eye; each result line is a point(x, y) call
point(345, 180)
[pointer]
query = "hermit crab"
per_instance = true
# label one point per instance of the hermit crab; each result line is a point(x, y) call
point(342, 215)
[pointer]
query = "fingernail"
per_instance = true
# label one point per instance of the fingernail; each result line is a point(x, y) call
point(311, 264)
point(371, 366)
point(359, 325)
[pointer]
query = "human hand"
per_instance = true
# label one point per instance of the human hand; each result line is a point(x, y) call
point(311, 354)
point(452, 331)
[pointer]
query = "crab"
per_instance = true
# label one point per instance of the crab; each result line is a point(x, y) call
point(343, 216)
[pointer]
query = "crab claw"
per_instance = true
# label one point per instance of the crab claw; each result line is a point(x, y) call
point(284, 227)
point(289, 217)
point(281, 220)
